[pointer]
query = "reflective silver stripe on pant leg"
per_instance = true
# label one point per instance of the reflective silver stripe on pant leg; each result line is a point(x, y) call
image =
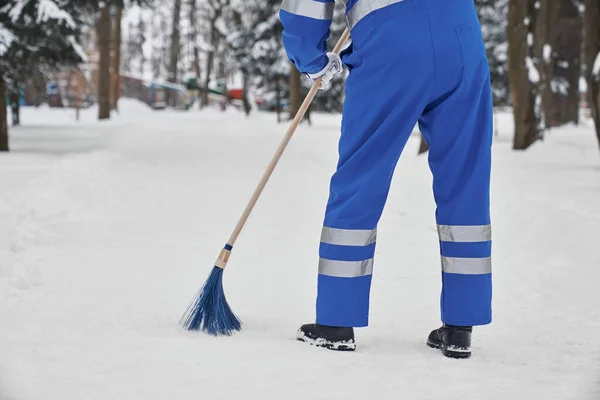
point(465, 233)
point(309, 8)
point(348, 237)
point(362, 8)
point(467, 266)
point(345, 269)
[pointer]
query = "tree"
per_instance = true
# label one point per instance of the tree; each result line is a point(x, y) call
point(3, 120)
point(36, 36)
point(133, 56)
point(592, 59)
point(116, 60)
point(6, 39)
point(109, 79)
point(256, 52)
point(522, 74)
point(103, 28)
point(213, 10)
point(239, 42)
point(175, 43)
point(493, 18)
point(156, 35)
point(255, 47)
point(295, 100)
point(544, 42)
point(15, 107)
point(566, 59)
point(44, 37)
point(543, 16)
point(193, 39)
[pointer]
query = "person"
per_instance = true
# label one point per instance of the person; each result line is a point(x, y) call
point(409, 61)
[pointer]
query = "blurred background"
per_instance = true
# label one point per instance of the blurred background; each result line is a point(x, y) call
point(191, 54)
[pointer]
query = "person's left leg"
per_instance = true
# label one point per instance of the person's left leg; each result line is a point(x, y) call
point(459, 127)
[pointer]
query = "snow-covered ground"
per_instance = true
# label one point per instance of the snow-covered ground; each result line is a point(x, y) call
point(108, 229)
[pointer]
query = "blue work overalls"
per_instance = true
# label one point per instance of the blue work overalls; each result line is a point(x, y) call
point(410, 61)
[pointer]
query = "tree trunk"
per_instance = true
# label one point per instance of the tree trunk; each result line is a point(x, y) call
point(198, 72)
point(592, 56)
point(544, 22)
point(15, 108)
point(209, 62)
point(194, 40)
point(294, 91)
point(424, 147)
point(523, 99)
point(210, 58)
point(38, 86)
point(247, 106)
point(175, 47)
point(221, 74)
point(116, 65)
point(567, 64)
point(278, 97)
point(104, 34)
point(3, 118)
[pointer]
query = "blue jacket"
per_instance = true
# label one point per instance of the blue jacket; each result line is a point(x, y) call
point(306, 28)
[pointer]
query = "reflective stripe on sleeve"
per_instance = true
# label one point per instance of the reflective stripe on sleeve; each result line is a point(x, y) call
point(465, 234)
point(345, 269)
point(467, 266)
point(309, 8)
point(348, 237)
point(362, 8)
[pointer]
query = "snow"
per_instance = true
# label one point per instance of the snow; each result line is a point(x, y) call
point(78, 49)
point(501, 52)
point(560, 85)
point(547, 53)
point(583, 86)
point(17, 9)
point(530, 39)
point(6, 39)
point(108, 229)
point(563, 64)
point(48, 9)
point(532, 72)
point(596, 68)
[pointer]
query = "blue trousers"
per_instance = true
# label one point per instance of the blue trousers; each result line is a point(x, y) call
point(415, 61)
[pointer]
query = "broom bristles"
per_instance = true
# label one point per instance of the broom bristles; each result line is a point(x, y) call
point(209, 310)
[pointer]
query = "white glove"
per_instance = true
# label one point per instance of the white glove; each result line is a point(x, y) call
point(334, 66)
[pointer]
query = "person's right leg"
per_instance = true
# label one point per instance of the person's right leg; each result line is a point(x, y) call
point(387, 90)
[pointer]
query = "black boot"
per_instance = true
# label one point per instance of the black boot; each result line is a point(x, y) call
point(454, 341)
point(330, 337)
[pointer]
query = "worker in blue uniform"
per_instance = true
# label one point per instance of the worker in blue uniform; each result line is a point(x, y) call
point(409, 61)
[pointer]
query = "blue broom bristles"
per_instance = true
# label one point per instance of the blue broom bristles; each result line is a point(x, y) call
point(209, 310)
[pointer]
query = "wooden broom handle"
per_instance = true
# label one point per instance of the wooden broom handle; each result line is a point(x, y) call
point(288, 136)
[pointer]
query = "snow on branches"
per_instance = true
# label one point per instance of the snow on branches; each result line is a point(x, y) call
point(6, 39)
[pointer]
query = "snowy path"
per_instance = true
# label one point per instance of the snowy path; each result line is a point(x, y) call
point(107, 230)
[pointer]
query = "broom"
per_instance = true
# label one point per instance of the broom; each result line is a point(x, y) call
point(208, 310)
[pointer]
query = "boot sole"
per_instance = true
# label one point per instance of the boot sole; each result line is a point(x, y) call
point(450, 352)
point(336, 346)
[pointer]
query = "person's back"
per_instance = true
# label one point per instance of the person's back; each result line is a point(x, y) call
point(409, 61)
